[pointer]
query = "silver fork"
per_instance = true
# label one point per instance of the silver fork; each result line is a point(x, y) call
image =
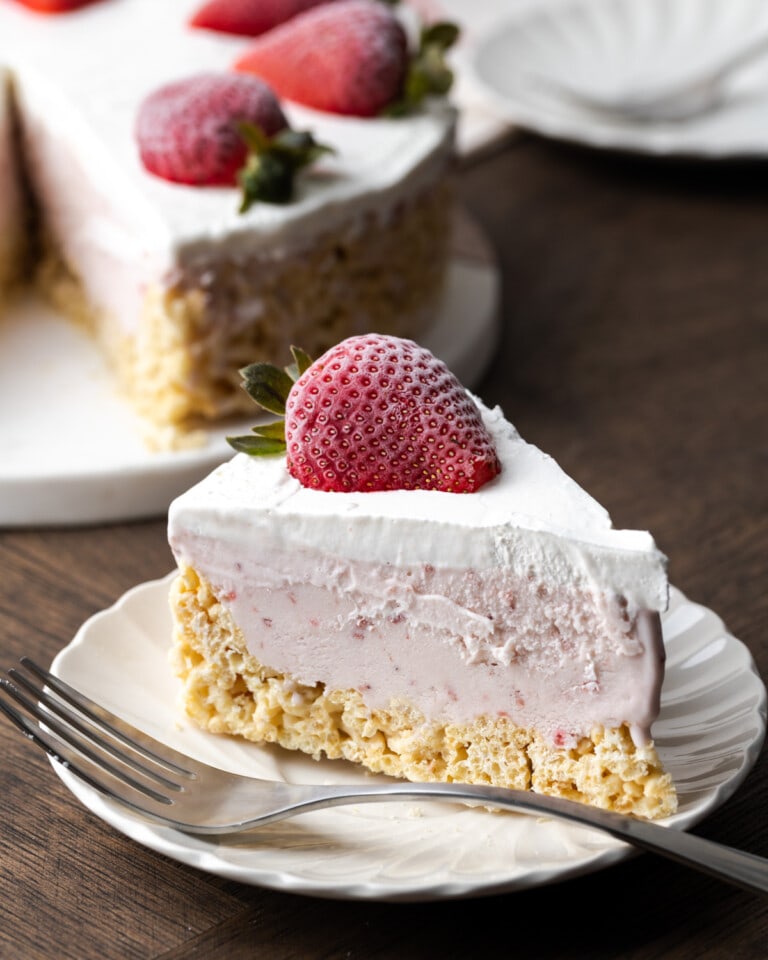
point(153, 780)
point(687, 99)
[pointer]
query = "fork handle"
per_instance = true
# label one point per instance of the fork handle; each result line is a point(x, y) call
point(738, 867)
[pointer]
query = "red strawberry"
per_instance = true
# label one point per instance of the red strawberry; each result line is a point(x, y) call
point(187, 130)
point(348, 57)
point(223, 129)
point(373, 413)
point(248, 17)
point(54, 6)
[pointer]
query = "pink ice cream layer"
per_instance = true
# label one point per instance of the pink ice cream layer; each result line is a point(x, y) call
point(454, 643)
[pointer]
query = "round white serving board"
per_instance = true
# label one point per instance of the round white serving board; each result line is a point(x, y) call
point(72, 452)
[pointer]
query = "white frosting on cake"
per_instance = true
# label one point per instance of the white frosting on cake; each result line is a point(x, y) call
point(532, 516)
point(80, 78)
point(518, 600)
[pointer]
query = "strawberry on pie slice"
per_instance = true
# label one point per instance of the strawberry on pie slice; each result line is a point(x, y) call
point(342, 591)
point(374, 413)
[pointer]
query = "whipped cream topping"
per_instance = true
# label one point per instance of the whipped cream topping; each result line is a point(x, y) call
point(532, 518)
point(80, 78)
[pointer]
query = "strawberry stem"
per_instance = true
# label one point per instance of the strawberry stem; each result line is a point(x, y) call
point(428, 73)
point(270, 169)
point(256, 446)
point(269, 386)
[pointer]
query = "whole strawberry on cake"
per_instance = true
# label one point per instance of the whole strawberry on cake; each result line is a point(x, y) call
point(195, 211)
point(387, 573)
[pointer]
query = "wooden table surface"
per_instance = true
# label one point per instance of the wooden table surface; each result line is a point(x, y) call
point(635, 350)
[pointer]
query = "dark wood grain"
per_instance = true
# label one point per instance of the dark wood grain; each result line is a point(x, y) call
point(635, 350)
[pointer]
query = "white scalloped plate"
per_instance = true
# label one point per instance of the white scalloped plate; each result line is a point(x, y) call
point(710, 732)
point(604, 47)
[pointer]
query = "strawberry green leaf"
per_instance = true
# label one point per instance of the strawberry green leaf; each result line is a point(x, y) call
point(270, 168)
point(442, 35)
point(256, 446)
point(301, 359)
point(255, 139)
point(299, 147)
point(265, 178)
point(271, 431)
point(267, 385)
point(301, 362)
point(428, 73)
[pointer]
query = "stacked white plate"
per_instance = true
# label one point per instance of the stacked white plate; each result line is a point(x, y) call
point(604, 48)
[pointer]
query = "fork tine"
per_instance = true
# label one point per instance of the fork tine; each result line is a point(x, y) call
point(57, 750)
point(94, 735)
point(142, 743)
point(58, 740)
